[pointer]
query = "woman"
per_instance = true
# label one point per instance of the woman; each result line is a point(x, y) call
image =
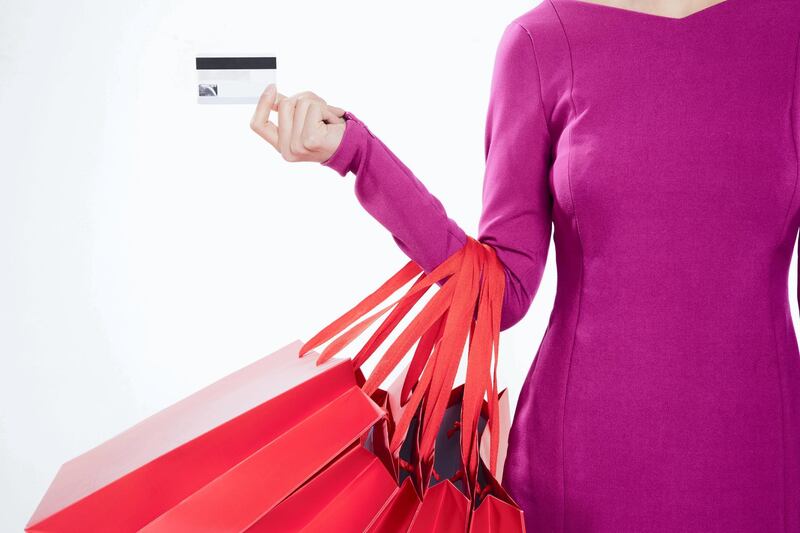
point(663, 148)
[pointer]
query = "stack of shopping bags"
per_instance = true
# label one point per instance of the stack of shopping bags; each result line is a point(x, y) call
point(305, 441)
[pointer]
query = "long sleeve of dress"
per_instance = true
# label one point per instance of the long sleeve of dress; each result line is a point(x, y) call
point(516, 200)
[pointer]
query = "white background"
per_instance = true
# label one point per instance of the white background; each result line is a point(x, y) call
point(150, 245)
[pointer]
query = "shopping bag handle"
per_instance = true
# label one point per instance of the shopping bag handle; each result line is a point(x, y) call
point(481, 280)
point(468, 304)
point(389, 287)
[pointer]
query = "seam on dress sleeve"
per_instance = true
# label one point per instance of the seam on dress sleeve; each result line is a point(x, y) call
point(539, 81)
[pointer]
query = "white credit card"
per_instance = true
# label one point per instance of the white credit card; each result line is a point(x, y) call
point(233, 80)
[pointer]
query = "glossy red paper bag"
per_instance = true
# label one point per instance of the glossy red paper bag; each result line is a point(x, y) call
point(357, 492)
point(467, 305)
point(445, 499)
point(344, 497)
point(349, 492)
point(407, 510)
point(399, 511)
point(488, 507)
point(495, 510)
point(218, 459)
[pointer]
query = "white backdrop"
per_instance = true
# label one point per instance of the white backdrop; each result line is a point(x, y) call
point(151, 245)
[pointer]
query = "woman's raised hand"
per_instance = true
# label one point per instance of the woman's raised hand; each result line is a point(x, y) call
point(308, 128)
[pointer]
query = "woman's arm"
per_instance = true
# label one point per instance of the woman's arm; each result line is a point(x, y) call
point(516, 212)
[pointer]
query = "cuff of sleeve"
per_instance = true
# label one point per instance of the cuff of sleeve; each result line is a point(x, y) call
point(347, 156)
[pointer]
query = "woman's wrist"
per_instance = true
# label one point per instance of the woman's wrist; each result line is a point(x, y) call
point(347, 156)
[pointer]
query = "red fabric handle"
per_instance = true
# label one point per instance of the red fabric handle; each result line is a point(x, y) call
point(466, 307)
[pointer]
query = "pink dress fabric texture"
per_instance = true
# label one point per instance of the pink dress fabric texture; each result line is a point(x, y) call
point(661, 155)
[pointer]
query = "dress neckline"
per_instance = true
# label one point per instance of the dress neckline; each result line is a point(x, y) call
point(653, 16)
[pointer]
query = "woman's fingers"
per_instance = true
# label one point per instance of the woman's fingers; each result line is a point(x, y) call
point(315, 132)
point(333, 113)
point(285, 119)
point(299, 125)
point(308, 128)
point(260, 123)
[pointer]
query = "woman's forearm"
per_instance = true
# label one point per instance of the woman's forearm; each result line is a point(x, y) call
point(395, 197)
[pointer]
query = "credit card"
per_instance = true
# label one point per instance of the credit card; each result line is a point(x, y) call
point(233, 80)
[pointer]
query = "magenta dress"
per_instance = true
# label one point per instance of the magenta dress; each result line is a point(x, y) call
point(664, 395)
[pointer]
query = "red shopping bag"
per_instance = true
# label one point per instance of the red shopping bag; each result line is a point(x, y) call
point(357, 492)
point(435, 499)
point(490, 508)
point(467, 305)
point(345, 496)
point(299, 443)
point(496, 510)
point(352, 490)
point(218, 459)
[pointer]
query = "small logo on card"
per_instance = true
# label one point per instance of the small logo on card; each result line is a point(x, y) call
point(207, 89)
